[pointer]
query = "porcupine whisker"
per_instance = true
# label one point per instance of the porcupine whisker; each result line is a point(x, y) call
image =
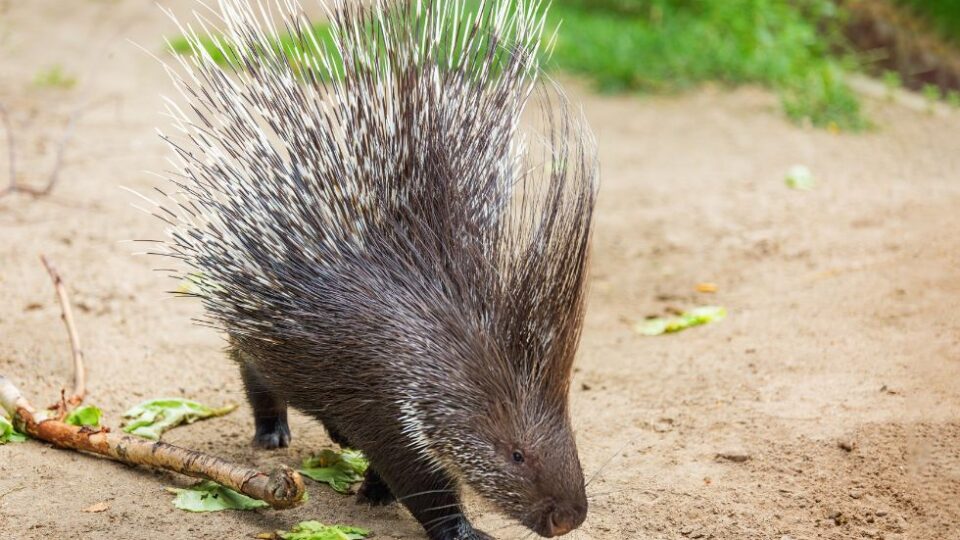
point(507, 526)
point(611, 459)
point(592, 496)
point(420, 494)
point(442, 506)
point(432, 524)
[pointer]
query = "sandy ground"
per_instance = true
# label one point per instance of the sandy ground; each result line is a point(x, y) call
point(842, 330)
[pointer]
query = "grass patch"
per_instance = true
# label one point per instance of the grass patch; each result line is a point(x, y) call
point(54, 77)
point(668, 46)
point(943, 15)
point(291, 47)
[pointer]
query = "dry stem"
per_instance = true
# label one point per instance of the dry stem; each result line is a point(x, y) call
point(79, 369)
point(15, 187)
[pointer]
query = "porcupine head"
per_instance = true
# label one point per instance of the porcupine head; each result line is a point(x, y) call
point(402, 207)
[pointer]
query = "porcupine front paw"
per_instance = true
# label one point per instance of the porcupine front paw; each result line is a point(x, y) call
point(463, 530)
point(271, 433)
point(374, 491)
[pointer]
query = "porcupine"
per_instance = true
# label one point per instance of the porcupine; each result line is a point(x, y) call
point(388, 244)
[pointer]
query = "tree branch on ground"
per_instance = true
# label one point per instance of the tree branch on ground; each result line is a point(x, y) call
point(281, 488)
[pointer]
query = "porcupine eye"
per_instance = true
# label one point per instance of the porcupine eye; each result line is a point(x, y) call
point(517, 457)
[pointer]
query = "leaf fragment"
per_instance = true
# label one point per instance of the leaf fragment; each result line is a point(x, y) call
point(84, 415)
point(208, 496)
point(688, 319)
point(314, 530)
point(800, 178)
point(338, 469)
point(152, 418)
point(8, 433)
point(707, 287)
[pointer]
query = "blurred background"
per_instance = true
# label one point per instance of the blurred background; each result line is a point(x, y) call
point(804, 50)
point(793, 163)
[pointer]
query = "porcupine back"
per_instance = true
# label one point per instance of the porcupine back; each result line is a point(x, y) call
point(416, 147)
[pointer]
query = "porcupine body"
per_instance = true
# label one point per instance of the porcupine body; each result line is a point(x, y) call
point(392, 228)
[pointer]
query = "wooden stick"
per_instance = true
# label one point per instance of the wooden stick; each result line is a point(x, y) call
point(79, 369)
point(282, 488)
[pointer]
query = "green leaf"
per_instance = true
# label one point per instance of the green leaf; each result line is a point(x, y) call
point(800, 177)
point(314, 530)
point(191, 284)
point(85, 415)
point(8, 433)
point(208, 496)
point(688, 319)
point(151, 418)
point(338, 469)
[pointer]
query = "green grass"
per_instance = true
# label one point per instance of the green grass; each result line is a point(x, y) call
point(288, 44)
point(944, 15)
point(669, 46)
point(54, 77)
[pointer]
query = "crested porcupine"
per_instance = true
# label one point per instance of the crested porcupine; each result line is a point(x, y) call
point(391, 225)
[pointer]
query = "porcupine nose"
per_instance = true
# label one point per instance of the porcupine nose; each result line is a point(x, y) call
point(563, 520)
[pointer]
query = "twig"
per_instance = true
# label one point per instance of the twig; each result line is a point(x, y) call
point(15, 187)
point(282, 488)
point(79, 368)
point(14, 490)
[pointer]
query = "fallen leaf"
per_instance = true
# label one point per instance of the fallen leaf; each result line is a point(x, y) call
point(191, 284)
point(97, 508)
point(84, 415)
point(707, 287)
point(314, 530)
point(8, 433)
point(151, 418)
point(800, 177)
point(339, 470)
point(688, 319)
point(208, 496)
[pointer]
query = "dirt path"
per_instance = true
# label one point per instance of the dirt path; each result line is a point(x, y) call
point(842, 326)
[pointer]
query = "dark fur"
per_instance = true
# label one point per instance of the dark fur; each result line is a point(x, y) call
point(395, 267)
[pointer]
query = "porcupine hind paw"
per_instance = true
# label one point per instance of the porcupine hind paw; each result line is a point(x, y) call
point(374, 491)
